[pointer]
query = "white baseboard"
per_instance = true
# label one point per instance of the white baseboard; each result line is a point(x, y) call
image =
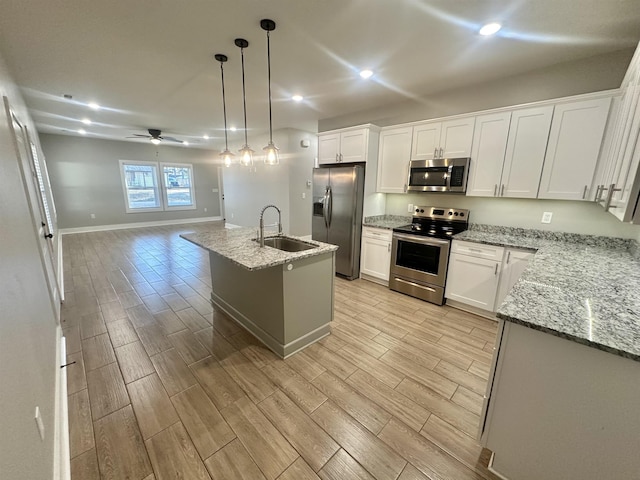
point(123, 226)
point(61, 454)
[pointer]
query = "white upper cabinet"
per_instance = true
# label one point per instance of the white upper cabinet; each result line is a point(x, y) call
point(574, 144)
point(393, 160)
point(328, 148)
point(619, 190)
point(347, 146)
point(487, 154)
point(526, 146)
point(448, 139)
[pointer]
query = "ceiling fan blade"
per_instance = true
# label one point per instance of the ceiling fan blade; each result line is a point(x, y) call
point(139, 136)
point(171, 139)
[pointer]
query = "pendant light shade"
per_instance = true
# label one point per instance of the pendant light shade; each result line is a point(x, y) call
point(271, 156)
point(226, 154)
point(246, 154)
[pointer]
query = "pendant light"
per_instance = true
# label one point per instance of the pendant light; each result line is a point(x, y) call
point(270, 151)
point(246, 154)
point(226, 155)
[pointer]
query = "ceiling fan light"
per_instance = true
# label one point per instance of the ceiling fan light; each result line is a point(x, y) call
point(155, 141)
point(271, 156)
point(490, 29)
point(246, 156)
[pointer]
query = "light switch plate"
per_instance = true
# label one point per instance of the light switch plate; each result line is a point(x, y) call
point(410, 207)
point(546, 217)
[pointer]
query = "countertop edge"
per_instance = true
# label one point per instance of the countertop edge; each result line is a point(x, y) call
point(568, 336)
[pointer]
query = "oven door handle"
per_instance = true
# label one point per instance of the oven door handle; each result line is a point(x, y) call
point(421, 239)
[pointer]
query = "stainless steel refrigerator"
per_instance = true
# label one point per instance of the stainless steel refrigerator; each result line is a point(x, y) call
point(338, 193)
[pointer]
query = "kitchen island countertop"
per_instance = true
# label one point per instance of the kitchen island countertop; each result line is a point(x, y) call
point(238, 245)
point(579, 287)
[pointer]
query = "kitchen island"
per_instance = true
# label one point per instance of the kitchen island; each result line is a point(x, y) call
point(564, 385)
point(285, 299)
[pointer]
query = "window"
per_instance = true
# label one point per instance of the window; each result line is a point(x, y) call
point(144, 190)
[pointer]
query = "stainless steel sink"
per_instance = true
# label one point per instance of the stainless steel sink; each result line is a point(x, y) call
point(288, 244)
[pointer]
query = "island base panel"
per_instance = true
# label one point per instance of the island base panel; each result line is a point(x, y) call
point(560, 409)
point(286, 309)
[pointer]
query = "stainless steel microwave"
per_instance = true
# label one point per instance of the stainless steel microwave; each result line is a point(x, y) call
point(438, 175)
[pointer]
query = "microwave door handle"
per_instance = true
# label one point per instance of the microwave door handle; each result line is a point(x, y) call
point(449, 174)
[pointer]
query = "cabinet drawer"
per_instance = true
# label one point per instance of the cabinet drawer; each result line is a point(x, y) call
point(379, 233)
point(477, 250)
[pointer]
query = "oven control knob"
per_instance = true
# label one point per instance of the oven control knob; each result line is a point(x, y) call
point(450, 213)
point(421, 210)
point(455, 214)
point(462, 214)
point(417, 210)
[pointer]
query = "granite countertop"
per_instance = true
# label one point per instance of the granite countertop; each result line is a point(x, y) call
point(580, 287)
point(388, 222)
point(237, 245)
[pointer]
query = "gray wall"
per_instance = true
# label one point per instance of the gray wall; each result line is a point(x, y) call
point(568, 216)
point(248, 191)
point(85, 178)
point(27, 319)
point(591, 74)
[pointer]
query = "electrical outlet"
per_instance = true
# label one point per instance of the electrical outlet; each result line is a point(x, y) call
point(304, 195)
point(205, 209)
point(232, 215)
point(39, 423)
point(410, 207)
point(93, 215)
point(546, 217)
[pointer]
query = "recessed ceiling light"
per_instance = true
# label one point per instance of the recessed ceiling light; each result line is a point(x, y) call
point(86, 121)
point(206, 137)
point(297, 98)
point(233, 129)
point(185, 143)
point(490, 29)
point(82, 131)
point(366, 73)
point(94, 106)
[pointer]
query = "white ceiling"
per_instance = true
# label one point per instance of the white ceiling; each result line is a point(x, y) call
point(150, 64)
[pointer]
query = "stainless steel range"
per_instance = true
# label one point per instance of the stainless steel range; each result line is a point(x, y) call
point(420, 252)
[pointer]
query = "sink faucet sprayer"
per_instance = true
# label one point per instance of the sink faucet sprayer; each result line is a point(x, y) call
point(262, 223)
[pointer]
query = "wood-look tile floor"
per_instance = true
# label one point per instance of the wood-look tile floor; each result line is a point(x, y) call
point(165, 387)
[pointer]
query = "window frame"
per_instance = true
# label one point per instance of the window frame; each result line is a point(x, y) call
point(165, 193)
point(123, 179)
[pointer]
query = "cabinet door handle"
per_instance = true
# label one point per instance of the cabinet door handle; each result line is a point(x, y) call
point(584, 192)
point(496, 272)
point(508, 257)
point(337, 158)
point(389, 248)
point(435, 152)
point(441, 152)
point(612, 189)
point(405, 188)
point(502, 190)
point(341, 157)
point(495, 189)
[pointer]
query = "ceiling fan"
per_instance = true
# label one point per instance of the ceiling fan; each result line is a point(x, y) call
point(156, 137)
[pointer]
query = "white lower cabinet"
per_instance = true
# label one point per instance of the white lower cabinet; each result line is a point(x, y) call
point(375, 257)
point(474, 274)
point(514, 264)
point(482, 275)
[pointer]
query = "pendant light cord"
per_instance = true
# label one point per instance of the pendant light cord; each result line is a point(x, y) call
point(244, 99)
point(269, 80)
point(224, 108)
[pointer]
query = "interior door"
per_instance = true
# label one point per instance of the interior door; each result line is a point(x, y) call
point(36, 206)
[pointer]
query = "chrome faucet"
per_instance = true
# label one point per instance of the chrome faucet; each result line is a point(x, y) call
point(262, 223)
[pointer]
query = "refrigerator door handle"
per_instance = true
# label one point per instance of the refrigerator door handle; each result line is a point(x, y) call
point(330, 209)
point(325, 206)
